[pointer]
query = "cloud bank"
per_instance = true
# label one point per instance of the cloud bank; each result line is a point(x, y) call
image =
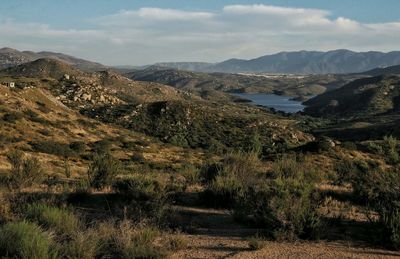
point(148, 35)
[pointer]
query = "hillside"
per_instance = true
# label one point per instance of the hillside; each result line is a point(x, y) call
point(12, 57)
point(212, 85)
point(383, 71)
point(42, 68)
point(363, 97)
point(301, 62)
point(168, 113)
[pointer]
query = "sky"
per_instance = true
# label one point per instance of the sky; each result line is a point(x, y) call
point(139, 32)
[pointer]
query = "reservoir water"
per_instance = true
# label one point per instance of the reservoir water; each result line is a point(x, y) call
point(278, 102)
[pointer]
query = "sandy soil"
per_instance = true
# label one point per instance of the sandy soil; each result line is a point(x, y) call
point(204, 246)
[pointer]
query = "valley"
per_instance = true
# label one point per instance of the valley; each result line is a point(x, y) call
point(158, 162)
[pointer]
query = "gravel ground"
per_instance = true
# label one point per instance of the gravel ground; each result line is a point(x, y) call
point(203, 246)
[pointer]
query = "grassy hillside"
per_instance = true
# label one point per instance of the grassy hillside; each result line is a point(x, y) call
point(364, 97)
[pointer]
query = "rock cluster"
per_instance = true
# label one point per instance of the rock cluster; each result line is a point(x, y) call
point(84, 93)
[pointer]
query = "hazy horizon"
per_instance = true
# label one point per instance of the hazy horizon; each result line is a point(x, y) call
point(140, 33)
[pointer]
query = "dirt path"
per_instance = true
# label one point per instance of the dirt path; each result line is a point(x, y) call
point(214, 234)
point(203, 246)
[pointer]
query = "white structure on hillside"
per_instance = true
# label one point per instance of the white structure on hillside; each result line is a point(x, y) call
point(9, 84)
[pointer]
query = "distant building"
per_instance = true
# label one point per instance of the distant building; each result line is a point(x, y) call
point(66, 77)
point(9, 84)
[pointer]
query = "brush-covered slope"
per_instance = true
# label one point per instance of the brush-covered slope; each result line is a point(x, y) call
point(363, 97)
point(391, 70)
point(170, 114)
point(34, 121)
point(42, 68)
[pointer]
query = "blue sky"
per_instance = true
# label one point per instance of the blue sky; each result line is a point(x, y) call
point(146, 31)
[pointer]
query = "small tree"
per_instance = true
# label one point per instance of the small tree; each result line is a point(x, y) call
point(103, 170)
point(24, 171)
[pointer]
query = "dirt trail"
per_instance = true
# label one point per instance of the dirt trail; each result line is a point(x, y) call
point(214, 234)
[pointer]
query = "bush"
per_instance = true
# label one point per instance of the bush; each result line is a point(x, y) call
point(102, 146)
point(61, 221)
point(127, 241)
point(103, 170)
point(345, 169)
point(229, 179)
point(256, 243)
point(379, 189)
point(141, 188)
point(391, 147)
point(53, 148)
point(25, 240)
point(176, 242)
point(388, 148)
point(78, 146)
point(85, 245)
point(286, 203)
point(24, 171)
point(191, 174)
point(12, 117)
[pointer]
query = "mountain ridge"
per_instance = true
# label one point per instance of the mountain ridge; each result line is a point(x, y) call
point(10, 57)
point(340, 61)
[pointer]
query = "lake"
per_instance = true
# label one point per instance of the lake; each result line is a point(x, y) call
point(278, 102)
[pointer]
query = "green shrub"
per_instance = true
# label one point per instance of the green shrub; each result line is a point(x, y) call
point(25, 240)
point(53, 148)
point(349, 145)
point(286, 203)
point(127, 241)
point(256, 243)
point(344, 169)
point(230, 179)
point(388, 148)
point(176, 242)
point(379, 189)
point(102, 146)
point(391, 147)
point(61, 221)
point(24, 171)
point(43, 107)
point(103, 170)
point(141, 188)
point(84, 245)
point(12, 117)
point(191, 173)
point(78, 147)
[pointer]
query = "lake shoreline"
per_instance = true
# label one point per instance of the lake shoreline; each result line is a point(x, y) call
point(282, 103)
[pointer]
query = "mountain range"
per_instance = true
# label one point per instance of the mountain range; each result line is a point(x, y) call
point(299, 62)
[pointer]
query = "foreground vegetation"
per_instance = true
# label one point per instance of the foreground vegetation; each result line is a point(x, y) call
point(112, 213)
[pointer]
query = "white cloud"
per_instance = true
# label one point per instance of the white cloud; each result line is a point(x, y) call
point(148, 35)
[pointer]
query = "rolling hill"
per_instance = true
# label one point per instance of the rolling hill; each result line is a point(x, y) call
point(364, 97)
point(212, 85)
point(383, 71)
point(170, 114)
point(11, 57)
